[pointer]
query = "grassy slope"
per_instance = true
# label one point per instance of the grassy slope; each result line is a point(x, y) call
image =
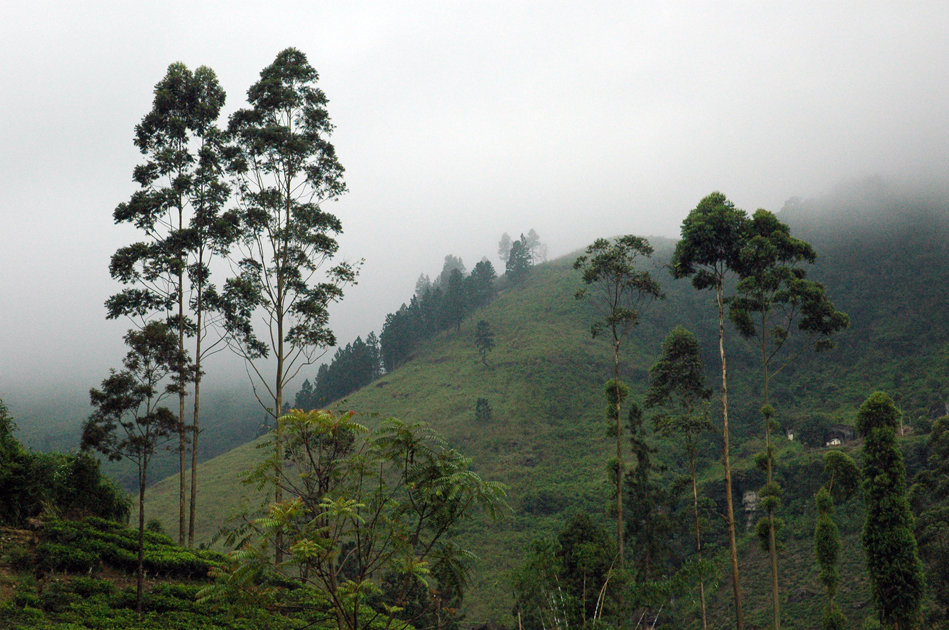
point(546, 438)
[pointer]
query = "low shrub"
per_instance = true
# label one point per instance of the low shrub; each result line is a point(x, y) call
point(87, 586)
point(58, 557)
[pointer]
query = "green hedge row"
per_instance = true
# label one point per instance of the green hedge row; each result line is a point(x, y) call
point(81, 547)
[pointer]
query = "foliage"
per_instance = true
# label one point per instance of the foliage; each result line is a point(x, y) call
point(284, 168)
point(892, 560)
point(773, 294)
point(620, 291)
point(68, 601)
point(929, 496)
point(811, 429)
point(368, 508)
point(480, 286)
point(33, 483)
point(537, 250)
point(844, 478)
point(677, 385)
point(453, 304)
point(128, 421)
point(482, 410)
point(504, 247)
point(484, 340)
point(519, 261)
point(649, 520)
point(570, 582)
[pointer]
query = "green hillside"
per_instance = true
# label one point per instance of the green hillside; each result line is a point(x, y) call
point(546, 438)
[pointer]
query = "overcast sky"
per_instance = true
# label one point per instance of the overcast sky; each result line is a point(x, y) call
point(455, 122)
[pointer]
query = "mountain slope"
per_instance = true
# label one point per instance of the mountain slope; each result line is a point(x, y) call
point(546, 438)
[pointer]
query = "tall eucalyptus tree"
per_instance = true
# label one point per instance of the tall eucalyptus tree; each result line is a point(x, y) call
point(773, 297)
point(708, 252)
point(178, 208)
point(284, 168)
point(619, 291)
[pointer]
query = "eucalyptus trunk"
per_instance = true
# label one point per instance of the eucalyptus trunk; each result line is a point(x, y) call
point(140, 569)
point(619, 457)
point(772, 536)
point(726, 461)
point(698, 531)
point(182, 430)
point(195, 431)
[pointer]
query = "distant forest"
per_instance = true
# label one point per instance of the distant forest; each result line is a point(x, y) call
point(437, 305)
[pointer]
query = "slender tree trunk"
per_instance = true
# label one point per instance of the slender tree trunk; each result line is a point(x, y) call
point(182, 431)
point(698, 539)
point(772, 537)
point(619, 457)
point(278, 389)
point(278, 446)
point(726, 461)
point(182, 437)
point(194, 429)
point(140, 570)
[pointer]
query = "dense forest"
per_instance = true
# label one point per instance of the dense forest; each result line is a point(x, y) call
point(745, 427)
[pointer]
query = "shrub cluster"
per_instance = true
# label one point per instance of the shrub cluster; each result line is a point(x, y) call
point(81, 547)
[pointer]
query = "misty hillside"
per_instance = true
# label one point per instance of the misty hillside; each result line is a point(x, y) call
point(546, 438)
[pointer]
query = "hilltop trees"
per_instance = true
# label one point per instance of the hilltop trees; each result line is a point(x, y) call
point(480, 286)
point(353, 366)
point(896, 573)
point(435, 307)
point(178, 208)
point(519, 261)
point(619, 291)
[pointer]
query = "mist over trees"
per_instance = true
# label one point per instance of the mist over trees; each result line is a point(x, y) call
point(373, 525)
